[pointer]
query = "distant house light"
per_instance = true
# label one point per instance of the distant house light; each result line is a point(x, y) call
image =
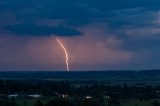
point(35, 96)
point(88, 97)
point(106, 97)
point(63, 96)
point(158, 91)
point(12, 96)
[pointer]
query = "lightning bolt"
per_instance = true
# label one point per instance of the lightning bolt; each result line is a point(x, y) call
point(66, 53)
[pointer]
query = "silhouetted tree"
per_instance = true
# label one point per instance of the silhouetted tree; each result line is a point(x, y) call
point(156, 103)
point(59, 102)
point(114, 102)
point(38, 103)
point(90, 102)
point(8, 103)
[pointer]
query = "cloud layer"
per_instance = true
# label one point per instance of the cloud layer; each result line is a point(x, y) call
point(35, 30)
point(127, 28)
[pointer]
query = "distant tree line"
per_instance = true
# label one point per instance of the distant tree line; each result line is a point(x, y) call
point(96, 89)
point(102, 93)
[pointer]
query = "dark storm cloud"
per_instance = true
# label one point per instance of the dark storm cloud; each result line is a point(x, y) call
point(76, 12)
point(141, 44)
point(134, 39)
point(133, 24)
point(117, 14)
point(35, 30)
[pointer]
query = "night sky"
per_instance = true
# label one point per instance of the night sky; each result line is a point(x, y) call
point(98, 34)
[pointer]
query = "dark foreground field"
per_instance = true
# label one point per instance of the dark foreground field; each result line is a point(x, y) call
point(107, 88)
point(33, 102)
